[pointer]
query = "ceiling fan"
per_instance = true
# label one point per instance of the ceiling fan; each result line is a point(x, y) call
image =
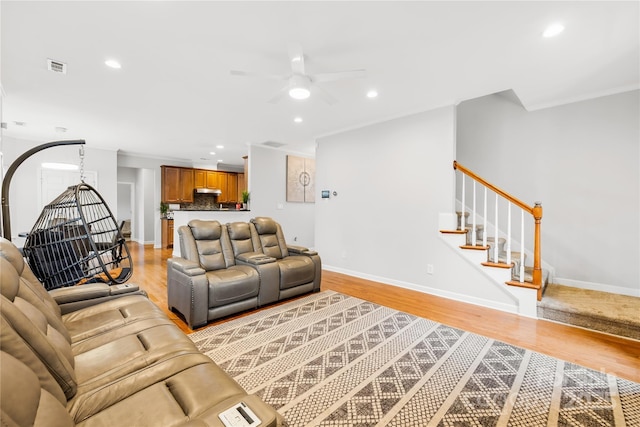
point(299, 84)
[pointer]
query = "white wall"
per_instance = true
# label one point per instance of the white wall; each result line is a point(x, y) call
point(146, 174)
point(267, 185)
point(393, 179)
point(582, 161)
point(25, 186)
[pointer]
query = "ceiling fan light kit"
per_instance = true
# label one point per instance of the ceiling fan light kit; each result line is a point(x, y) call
point(299, 87)
point(299, 83)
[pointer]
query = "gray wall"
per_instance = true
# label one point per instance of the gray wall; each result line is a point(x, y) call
point(393, 180)
point(582, 162)
point(267, 185)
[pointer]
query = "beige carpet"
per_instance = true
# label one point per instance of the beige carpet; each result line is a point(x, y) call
point(333, 360)
point(600, 311)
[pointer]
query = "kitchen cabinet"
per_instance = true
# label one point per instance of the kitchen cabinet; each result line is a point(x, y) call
point(167, 233)
point(199, 178)
point(205, 178)
point(177, 184)
point(232, 187)
point(242, 185)
point(223, 179)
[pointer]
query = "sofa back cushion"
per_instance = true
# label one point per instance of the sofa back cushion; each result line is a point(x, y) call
point(27, 332)
point(24, 401)
point(270, 236)
point(207, 243)
point(208, 236)
point(241, 238)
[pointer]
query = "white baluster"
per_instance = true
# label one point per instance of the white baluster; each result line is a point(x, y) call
point(509, 233)
point(495, 243)
point(521, 246)
point(462, 225)
point(484, 225)
point(473, 220)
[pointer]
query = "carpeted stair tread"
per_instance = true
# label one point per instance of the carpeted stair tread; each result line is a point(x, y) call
point(602, 311)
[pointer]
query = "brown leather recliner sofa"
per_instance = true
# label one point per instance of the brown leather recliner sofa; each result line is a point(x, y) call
point(120, 362)
point(228, 268)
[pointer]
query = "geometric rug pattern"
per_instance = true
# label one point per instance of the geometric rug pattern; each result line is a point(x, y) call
point(329, 359)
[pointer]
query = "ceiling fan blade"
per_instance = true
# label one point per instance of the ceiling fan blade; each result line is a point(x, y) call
point(296, 58)
point(339, 75)
point(324, 95)
point(262, 76)
point(279, 96)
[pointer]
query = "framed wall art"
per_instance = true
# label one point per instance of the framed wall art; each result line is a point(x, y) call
point(301, 177)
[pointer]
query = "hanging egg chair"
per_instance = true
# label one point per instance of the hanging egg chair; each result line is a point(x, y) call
point(77, 240)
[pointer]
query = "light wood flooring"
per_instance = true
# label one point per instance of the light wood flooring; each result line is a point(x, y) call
point(602, 352)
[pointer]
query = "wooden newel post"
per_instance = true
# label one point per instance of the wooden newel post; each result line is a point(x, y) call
point(537, 257)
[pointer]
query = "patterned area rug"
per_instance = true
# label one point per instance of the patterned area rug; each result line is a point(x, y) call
point(333, 360)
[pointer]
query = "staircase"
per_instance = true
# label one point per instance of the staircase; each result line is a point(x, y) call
point(484, 244)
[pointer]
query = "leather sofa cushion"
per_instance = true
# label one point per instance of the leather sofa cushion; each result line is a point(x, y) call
point(210, 254)
point(270, 246)
point(98, 320)
point(265, 225)
point(205, 230)
point(233, 284)
point(240, 235)
point(24, 401)
point(296, 270)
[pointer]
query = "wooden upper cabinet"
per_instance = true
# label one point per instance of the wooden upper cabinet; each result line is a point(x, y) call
point(212, 179)
point(177, 184)
point(241, 186)
point(232, 187)
point(222, 185)
point(200, 178)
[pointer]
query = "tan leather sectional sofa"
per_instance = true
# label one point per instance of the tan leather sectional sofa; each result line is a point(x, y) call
point(120, 362)
point(229, 268)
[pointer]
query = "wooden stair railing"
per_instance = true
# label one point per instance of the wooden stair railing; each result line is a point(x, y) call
point(535, 211)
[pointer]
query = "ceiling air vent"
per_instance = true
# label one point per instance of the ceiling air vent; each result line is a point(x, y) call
point(56, 66)
point(273, 144)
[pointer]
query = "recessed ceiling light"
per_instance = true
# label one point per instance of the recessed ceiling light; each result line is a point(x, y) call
point(220, 160)
point(220, 146)
point(553, 30)
point(298, 120)
point(112, 63)
point(372, 93)
point(213, 153)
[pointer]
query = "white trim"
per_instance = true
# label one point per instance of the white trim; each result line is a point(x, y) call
point(592, 286)
point(426, 290)
point(580, 98)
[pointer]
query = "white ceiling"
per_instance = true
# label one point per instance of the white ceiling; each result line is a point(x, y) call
point(174, 96)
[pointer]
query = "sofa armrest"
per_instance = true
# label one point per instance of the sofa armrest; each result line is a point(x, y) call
point(189, 268)
point(188, 290)
point(74, 298)
point(255, 258)
point(80, 293)
point(300, 250)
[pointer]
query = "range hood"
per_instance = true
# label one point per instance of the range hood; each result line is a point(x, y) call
point(208, 190)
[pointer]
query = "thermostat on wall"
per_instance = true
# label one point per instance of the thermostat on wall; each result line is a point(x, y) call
point(325, 194)
point(239, 415)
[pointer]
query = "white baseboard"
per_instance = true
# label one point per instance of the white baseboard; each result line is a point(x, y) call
point(597, 287)
point(426, 290)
